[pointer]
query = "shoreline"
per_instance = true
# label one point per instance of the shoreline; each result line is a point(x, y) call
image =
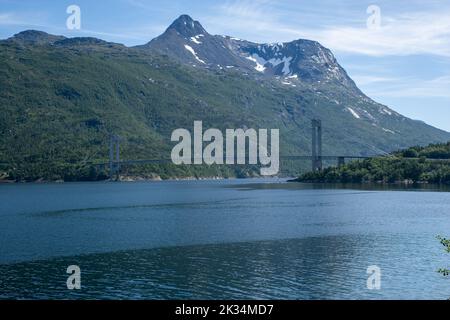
point(130, 179)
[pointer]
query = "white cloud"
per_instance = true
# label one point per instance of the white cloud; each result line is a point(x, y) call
point(414, 88)
point(246, 9)
point(142, 36)
point(406, 34)
point(36, 19)
point(364, 80)
point(9, 19)
point(403, 34)
point(251, 19)
point(138, 4)
point(39, 20)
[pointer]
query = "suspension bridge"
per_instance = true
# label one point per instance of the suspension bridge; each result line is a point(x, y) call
point(317, 158)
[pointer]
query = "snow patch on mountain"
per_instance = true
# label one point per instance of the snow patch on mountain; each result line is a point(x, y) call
point(288, 83)
point(287, 64)
point(196, 38)
point(387, 130)
point(368, 115)
point(385, 111)
point(260, 62)
point(353, 112)
point(189, 48)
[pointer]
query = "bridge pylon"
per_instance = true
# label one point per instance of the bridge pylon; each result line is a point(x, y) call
point(316, 145)
point(114, 156)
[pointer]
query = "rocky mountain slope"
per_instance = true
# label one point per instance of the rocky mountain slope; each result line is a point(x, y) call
point(188, 42)
point(60, 99)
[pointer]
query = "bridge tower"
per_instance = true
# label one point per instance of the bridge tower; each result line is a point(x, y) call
point(316, 144)
point(114, 156)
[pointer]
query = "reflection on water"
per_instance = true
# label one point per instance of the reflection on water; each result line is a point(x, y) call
point(281, 185)
point(312, 268)
point(201, 240)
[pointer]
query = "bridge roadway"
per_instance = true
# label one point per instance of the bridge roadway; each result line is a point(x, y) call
point(299, 157)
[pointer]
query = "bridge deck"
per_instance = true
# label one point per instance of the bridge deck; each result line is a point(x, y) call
point(298, 157)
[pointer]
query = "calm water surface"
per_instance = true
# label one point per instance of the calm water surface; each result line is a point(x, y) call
point(221, 239)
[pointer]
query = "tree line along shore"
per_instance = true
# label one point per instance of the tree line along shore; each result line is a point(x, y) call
point(430, 164)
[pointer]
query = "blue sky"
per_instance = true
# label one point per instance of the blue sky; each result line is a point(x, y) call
point(404, 64)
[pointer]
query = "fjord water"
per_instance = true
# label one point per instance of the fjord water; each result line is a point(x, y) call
point(260, 239)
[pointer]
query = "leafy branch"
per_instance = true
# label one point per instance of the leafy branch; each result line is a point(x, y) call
point(446, 243)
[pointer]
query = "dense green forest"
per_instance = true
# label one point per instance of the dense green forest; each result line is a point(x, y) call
point(429, 164)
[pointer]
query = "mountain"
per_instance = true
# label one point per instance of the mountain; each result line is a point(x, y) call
point(188, 42)
point(34, 37)
point(61, 98)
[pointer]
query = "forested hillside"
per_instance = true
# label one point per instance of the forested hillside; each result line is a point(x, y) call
point(429, 164)
point(60, 99)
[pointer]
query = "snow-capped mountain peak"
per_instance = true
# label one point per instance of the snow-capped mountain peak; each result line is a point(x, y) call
point(304, 60)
